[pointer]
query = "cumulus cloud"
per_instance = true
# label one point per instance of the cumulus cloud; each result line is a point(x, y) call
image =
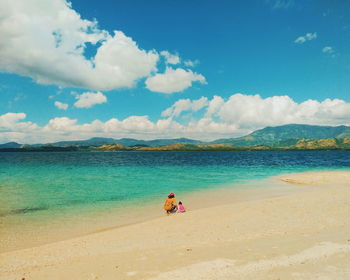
point(327, 49)
point(215, 118)
point(306, 37)
point(13, 128)
point(185, 105)
point(46, 41)
point(13, 121)
point(214, 105)
point(170, 58)
point(60, 105)
point(254, 112)
point(9, 119)
point(60, 124)
point(173, 80)
point(89, 99)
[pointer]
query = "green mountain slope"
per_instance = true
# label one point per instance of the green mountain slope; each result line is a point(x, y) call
point(281, 135)
point(294, 144)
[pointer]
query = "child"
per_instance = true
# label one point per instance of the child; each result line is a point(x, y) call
point(181, 208)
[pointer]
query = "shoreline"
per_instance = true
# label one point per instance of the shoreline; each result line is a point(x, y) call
point(104, 220)
point(316, 178)
point(251, 190)
point(299, 235)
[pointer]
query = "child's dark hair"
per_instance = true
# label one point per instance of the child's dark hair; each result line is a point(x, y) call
point(180, 202)
point(171, 196)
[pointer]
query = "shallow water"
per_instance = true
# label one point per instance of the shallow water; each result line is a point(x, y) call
point(41, 190)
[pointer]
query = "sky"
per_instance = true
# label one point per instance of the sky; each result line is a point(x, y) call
point(152, 69)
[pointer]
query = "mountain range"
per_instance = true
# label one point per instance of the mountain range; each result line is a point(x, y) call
point(291, 135)
point(129, 142)
point(281, 135)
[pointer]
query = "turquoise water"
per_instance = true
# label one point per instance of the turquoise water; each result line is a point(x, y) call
point(51, 196)
point(32, 182)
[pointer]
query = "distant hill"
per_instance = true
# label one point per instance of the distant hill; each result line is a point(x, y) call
point(128, 142)
point(96, 141)
point(10, 145)
point(294, 144)
point(320, 144)
point(156, 142)
point(280, 135)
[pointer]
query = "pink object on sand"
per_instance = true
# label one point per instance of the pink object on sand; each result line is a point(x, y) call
point(181, 208)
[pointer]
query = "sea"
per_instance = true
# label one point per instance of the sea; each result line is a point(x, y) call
point(52, 196)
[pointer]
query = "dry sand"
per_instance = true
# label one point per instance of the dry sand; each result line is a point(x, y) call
point(300, 235)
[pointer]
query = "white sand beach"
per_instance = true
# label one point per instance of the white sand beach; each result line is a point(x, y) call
point(303, 234)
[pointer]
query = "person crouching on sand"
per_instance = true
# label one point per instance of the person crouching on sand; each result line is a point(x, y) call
point(181, 208)
point(170, 204)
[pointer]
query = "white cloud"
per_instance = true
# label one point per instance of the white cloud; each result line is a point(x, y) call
point(89, 99)
point(328, 49)
point(214, 105)
point(280, 4)
point(60, 124)
point(253, 111)
point(46, 41)
point(13, 128)
point(311, 36)
point(183, 105)
point(60, 105)
point(173, 80)
point(170, 58)
point(191, 63)
point(306, 37)
point(237, 115)
point(9, 119)
point(300, 40)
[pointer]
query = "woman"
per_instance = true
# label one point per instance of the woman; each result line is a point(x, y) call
point(170, 204)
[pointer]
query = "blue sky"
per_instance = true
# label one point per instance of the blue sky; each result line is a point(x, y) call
point(288, 60)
